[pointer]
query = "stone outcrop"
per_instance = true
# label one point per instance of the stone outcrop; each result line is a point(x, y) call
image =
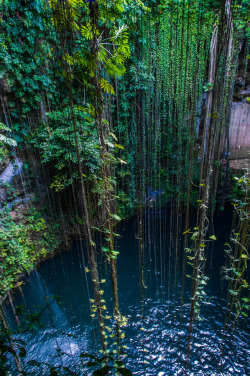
point(239, 138)
point(12, 170)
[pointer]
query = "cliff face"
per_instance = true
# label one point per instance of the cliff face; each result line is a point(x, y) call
point(239, 131)
point(27, 233)
point(239, 139)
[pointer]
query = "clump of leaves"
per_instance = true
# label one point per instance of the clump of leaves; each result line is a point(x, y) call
point(4, 140)
point(238, 254)
point(106, 365)
point(24, 240)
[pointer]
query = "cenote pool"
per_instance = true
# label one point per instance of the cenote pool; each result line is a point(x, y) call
point(156, 345)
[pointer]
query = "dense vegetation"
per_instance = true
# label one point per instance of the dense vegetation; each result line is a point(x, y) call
point(114, 108)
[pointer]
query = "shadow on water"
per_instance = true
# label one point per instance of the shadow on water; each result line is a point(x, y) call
point(156, 344)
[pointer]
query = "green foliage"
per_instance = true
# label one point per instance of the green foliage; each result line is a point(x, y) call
point(4, 153)
point(29, 71)
point(196, 258)
point(208, 87)
point(106, 365)
point(11, 193)
point(113, 47)
point(79, 73)
point(6, 140)
point(24, 50)
point(241, 17)
point(238, 253)
point(57, 144)
point(24, 240)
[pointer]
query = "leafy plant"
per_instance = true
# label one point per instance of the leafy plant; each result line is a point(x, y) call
point(238, 255)
point(106, 365)
point(6, 140)
point(56, 142)
point(24, 240)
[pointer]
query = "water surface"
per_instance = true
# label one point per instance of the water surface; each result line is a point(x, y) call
point(156, 344)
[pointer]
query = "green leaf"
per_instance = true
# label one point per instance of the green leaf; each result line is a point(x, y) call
point(244, 256)
point(4, 127)
point(87, 31)
point(102, 372)
point(118, 363)
point(212, 237)
point(34, 363)
point(53, 373)
point(92, 364)
point(120, 8)
point(246, 300)
point(7, 141)
point(232, 292)
point(83, 355)
point(22, 352)
point(119, 146)
point(113, 135)
point(125, 372)
point(3, 359)
point(105, 249)
point(115, 216)
point(106, 86)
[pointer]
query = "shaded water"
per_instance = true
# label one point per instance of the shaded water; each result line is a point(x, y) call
point(156, 345)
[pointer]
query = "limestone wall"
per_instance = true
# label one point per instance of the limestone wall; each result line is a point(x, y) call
point(239, 136)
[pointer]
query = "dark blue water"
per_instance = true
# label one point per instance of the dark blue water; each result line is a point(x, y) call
point(155, 345)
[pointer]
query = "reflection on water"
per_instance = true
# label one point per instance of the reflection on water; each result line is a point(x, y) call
point(157, 344)
point(160, 348)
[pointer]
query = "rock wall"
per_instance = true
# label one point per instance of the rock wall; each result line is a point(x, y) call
point(239, 136)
